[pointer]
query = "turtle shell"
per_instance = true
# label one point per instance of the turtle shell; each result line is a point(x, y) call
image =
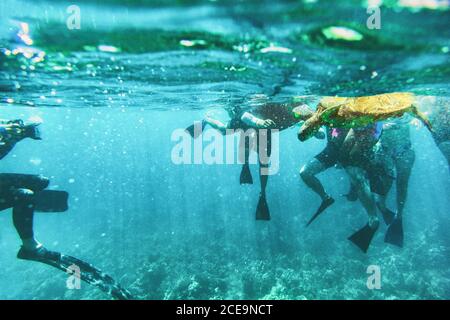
point(371, 108)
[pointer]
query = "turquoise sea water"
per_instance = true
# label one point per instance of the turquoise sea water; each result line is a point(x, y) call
point(111, 94)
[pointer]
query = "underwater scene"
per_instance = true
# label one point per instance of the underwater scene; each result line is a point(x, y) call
point(224, 149)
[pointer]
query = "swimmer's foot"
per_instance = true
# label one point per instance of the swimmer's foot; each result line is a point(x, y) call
point(38, 254)
point(388, 215)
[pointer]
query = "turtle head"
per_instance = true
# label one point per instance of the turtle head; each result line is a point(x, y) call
point(309, 128)
point(302, 112)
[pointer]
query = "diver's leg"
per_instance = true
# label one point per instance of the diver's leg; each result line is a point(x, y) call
point(26, 181)
point(358, 179)
point(363, 237)
point(263, 177)
point(9, 182)
point(264, 165)
point(23, 213)
point(404, 166)
point(381, 177)
point(262, 210)
point(6, 196)
point(352, 194)
point(18, 193)
point(388, 214)
point(308, 174)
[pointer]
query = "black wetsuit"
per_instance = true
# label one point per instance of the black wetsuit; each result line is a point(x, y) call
point(329, 156)
point(379, 178)
point(17, 192)
point(236, 123)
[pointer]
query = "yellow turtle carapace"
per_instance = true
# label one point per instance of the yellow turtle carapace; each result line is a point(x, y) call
point(342, 112)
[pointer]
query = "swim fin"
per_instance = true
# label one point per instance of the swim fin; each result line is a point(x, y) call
point(51, 201)
point(194, 131)
point(363, 237)
point(69, 264)
point(262, 210)
point(394, 233)
point(388, 215)
point(246, 175)
point(325, 204)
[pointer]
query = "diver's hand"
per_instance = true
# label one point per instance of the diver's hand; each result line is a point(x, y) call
point(32, 131)
point(266, 124)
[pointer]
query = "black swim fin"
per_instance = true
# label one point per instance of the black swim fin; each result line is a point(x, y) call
point(51, 201)
point(262, 210)
point(363, 237)
point(325, 204)
point(195, 133)
point(88, 272)
point(394, 233)
point(388, 215)
point(246, 175)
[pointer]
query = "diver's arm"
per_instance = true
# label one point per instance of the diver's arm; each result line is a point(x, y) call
point(9, 136)
point(216, 124)
point(255, 122)
point(15, 131)
point(3, 134)
point(11, 131)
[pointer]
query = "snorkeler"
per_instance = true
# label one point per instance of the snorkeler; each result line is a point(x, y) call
point(326, 159)
point(394, 153)
point(356, 156)
point(348, 148)
point(260, 115)
point(361, 115)
point(25, 194)
point(440, 115)
point(20, 191)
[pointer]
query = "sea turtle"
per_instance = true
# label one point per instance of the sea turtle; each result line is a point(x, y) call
point(342, 112)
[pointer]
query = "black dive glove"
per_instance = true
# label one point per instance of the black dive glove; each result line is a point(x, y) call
point(29, 130)
point(32, 131)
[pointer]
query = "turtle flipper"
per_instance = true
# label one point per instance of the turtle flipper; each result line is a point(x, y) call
point(422, 117)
